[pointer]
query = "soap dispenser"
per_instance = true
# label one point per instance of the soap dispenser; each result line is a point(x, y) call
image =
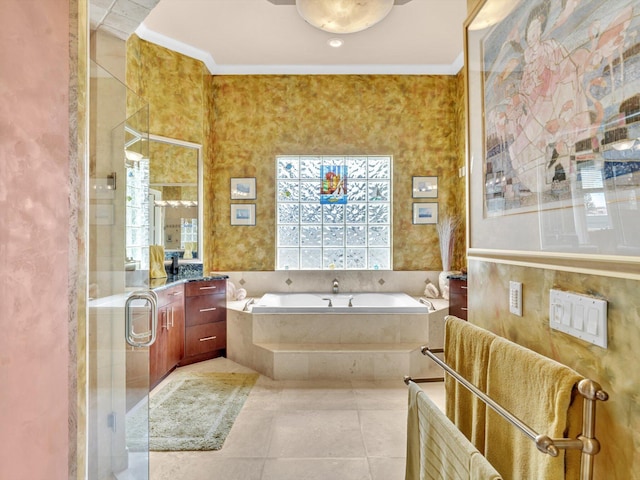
point(174, 265)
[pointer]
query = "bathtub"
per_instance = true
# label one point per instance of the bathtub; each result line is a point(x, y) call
point(313, 302)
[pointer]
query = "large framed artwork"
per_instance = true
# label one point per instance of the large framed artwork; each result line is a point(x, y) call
point(553, 90)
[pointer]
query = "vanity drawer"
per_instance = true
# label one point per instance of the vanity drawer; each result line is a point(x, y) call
point(205, 309)
point(205, 338)
point(206, 287)
point(458, 298)
point(170, 294)
point(457, 287)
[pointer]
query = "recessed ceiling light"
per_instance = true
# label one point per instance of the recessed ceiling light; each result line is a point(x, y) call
point(335, 42)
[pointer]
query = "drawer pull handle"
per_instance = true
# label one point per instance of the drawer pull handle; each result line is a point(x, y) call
point(208, 338)
point(176, 293)
point(213, 287)
point(463, 287)
point(463, 308)
point(208, 309)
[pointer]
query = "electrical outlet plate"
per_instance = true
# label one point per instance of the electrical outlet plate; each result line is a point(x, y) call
point(515, 298)
point(581, 316)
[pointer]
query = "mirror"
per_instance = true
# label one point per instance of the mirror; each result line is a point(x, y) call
point(175, 191)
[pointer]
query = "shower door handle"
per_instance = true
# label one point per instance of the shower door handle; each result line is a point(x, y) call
point(133, 338)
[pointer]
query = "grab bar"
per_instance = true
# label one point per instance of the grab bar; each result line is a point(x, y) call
point(586, 442)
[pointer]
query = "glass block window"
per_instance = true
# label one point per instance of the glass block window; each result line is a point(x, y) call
point(333, 212)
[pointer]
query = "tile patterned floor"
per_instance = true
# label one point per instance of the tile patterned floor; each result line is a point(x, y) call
point(312, 430)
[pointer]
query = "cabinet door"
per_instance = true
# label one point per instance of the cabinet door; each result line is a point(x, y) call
point(175, 346)
point(157, 351)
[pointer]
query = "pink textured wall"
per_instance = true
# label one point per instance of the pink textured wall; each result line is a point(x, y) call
point(34, 239)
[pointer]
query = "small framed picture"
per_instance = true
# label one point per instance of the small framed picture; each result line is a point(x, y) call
point(243, 188)
point(425, 213)
point(425, 187)
point(243, 214)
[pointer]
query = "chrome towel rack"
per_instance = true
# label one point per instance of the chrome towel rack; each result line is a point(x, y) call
point(587, 443)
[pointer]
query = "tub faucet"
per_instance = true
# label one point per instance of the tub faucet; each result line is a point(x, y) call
point(428, 303)
point(336, 285)
point(330, 304)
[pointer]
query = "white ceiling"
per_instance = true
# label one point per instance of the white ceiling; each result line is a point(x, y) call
point(261, 37)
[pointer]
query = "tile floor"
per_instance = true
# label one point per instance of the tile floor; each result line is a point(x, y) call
point(311, 430)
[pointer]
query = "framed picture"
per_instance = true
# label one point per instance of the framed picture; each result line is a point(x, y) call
point(554, 154)
point(425, 213)
point(243, 214)
point(425, 187)
point(243, 188)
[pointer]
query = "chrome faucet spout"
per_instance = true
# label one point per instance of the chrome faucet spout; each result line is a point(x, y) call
point(428, 303)
point(336, 286)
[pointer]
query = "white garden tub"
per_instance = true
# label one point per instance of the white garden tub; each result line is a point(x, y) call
point(338, 303)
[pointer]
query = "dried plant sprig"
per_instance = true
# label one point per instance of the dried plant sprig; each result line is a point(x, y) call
point(446, 232)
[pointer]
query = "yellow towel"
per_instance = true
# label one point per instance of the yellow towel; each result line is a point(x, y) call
point(436, 449)
point(539, 392)
point(156, 262)
point(466, 350)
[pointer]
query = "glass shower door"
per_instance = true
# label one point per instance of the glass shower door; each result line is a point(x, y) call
point(120, 305)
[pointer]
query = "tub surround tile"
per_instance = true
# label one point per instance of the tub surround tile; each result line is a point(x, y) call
point(258, 283)
point(292, 346)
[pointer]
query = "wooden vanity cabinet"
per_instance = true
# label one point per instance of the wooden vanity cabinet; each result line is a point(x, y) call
point(168, 349)
point(206, 320)
point(458, 297)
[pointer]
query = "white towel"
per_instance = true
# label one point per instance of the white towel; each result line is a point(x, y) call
point(436, 449)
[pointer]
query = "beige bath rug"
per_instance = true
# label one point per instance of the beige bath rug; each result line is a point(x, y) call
point(193, 412)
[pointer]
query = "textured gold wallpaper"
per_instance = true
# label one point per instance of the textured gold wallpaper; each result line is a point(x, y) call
point(172, 164)
point(243, 122)
point(254, 118)
point(618, 420)
point(172, 84)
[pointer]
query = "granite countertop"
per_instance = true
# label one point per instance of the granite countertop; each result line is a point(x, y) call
point(171, 280)
point(458, 276)
point(157, 284)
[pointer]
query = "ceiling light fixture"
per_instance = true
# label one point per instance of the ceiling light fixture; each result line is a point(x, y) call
point(335, 42)
point(343, 16)
point(492, 13)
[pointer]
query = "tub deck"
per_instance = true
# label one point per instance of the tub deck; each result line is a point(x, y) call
point(373, 346)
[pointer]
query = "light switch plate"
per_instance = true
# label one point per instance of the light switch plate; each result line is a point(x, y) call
point(515, 298)
point(581, 316)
